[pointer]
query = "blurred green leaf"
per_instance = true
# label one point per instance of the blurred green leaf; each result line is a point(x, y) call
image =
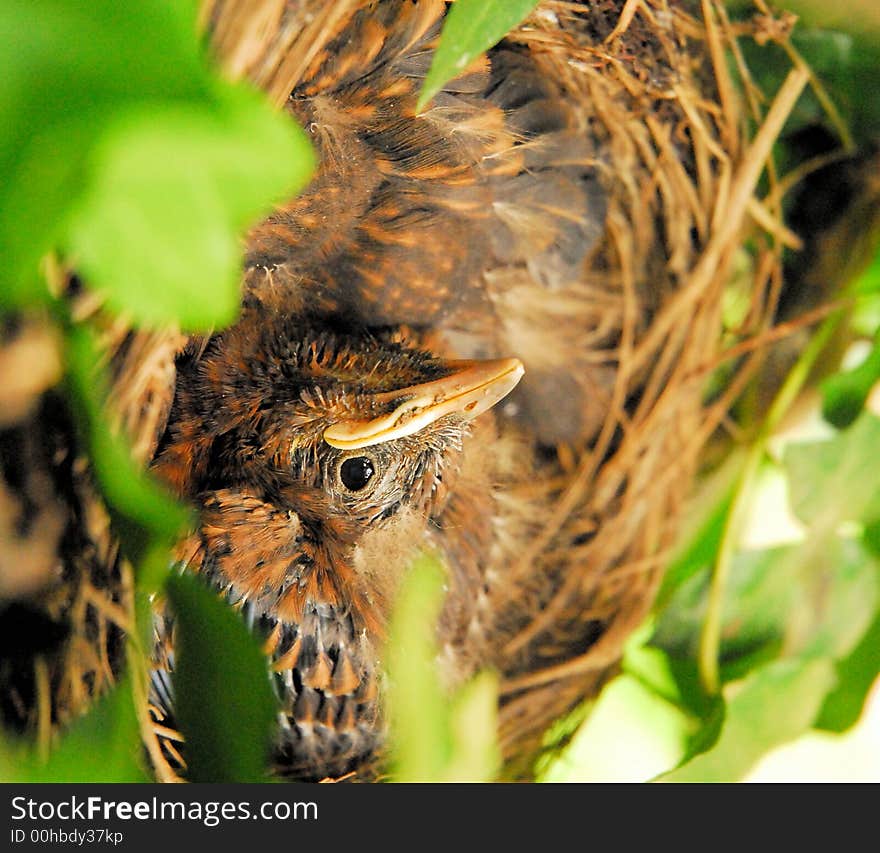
point(223, 696)
point(702, 530)
point(475, 755)
point(435, 737)
point(871, 536)
point(808, 604)
point(159, 229)
point(630, 735)
point(865, 317)
point(813, 599)
point(677, 681)
point(421, 741)
point(152, 231)
point(134, 494)
point(146, 169)
point(102, 746)
point(774, 705)
point(674, 679)
point(757, 603)
point(35, 204)
point(839, 602)
point(65, 68)
point(471, 28)
point(835, 480)
point(867, 282)
point(855, 676)
point(259, 156)
point(845, 393)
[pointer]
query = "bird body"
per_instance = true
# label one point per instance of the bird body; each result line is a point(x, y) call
point(323, 437)
point(471, 220)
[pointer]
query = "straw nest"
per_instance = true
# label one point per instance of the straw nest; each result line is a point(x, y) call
point(679, 170)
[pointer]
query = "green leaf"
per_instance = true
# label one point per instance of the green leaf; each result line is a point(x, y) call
point(173, 188)
point(475, 755)
point(757, 603)
point(471, 28)
point(102, 746)
point(871, 536)
point(677, 681)
point(421, 740)
point(865, 317)
point(839, 601)
point(152, 232)
point(259, 156)
point(774, 705)
point(673, 679)
point(855, 676)
point(130, 492)
point(35, 204)
point(66, 68)
point(703, 531)
point(835, 480)
point(224, 702)
point(845, 393)
point(119, 143)
point(867, 282)
point(816, 598)
point(435, 736)
point(631, 735)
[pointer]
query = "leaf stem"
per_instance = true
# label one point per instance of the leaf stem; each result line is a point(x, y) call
point(710, 638)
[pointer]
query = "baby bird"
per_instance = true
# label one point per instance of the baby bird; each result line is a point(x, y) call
point(333, 432)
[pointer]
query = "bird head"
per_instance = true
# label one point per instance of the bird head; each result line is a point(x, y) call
point(296, 442)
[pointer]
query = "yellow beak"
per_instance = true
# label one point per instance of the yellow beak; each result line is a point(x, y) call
point(472, 388)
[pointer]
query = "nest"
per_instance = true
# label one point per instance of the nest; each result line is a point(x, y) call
point(679, 173)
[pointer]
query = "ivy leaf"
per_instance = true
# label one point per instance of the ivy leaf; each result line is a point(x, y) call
point(224, 702)
point(130, 492)
point(845, 393)
point(435, 736)
point(758, 601)
point(774, 705)
point(813, 599)
point(835, 480)
point(102, 746)
point(855, 676)
point(66, 68)
point(172, 188)
point(421, 741)
point(471, 28)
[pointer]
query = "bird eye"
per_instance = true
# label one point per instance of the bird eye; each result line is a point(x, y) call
point(356, 472)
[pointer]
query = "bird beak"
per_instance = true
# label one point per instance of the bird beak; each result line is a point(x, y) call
point(472, 388)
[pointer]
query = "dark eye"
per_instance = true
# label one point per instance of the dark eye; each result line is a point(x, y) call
point(356, 472)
